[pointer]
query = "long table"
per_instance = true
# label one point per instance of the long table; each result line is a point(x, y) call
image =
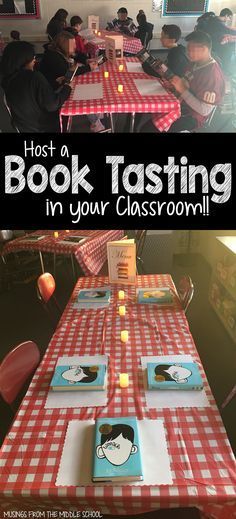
point(130, 101)
point(91, 254)
point(131, 44)
point(202, 463)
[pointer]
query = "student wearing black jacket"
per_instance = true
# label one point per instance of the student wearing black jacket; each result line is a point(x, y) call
point(216, 28)
point(33, 103)
point(176, 60)
point(57, 23)
point(145, 29)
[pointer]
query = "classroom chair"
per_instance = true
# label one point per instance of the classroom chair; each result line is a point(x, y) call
point(17, 366)
point(229, 397)
point(45, 291)
point(140, 238)
point(185, 292)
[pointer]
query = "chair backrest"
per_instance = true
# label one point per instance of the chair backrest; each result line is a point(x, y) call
point(46, 286)
point(10, 114)
point(16, 368)
point(140, 238)
point(229, 397)
point(185, 291)
point(149, 34)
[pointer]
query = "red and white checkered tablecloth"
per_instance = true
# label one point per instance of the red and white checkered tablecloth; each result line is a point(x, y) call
point(228, 38)
point(91, 254)
point(202, 463)
point(130, 44)
point(167, 105)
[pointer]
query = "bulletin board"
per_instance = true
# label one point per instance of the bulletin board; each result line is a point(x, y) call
point(19, 9)
point(184, 7)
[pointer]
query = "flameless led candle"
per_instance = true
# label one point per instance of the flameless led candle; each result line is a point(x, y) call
point(96, 31)
point(99, 34)
point(106, 73)
point(121, 294)
point(122, 310)
point(124, 336)
point(56, 234)
point(121, 67)
point(67, 231)
point(124, 380)
point(120, 89)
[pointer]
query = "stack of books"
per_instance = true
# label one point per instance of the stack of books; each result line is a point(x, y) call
point(94, 298)
point(159, 295)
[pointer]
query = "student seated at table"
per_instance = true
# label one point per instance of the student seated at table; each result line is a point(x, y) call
point(201, 89)
point(33, 103)
point(145, 29)
point(123, 23)
point(15, 35)
point(216, 27)
point(176, 60)
point(75, 27)
point(56, 62)
point(57, 23)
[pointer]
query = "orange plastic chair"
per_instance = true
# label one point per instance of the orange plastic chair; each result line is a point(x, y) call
point(17, 366)
point(45, 290)
point(185, 291)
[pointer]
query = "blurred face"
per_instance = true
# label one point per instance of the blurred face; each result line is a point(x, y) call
point(197, 52)
point(122, 16)
point(166, 41)
point(71, 46)
point(78, 27)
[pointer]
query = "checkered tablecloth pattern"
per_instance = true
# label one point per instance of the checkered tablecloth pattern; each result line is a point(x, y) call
point(202, 463)
point(229, 38)
point(167, 106)
point(91, 254)
point(130, 44)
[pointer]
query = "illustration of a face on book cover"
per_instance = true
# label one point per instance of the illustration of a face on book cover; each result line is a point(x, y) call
point(96, 294)
point(175, 373)
point(117, 443)
point(85, 374)
point(154, 293)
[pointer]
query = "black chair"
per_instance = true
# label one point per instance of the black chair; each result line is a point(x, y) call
point(140, 238)
point(149, 35)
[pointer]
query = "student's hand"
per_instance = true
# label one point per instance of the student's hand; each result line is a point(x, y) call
point(93, 65)
point(179, 83)
point(60, 80)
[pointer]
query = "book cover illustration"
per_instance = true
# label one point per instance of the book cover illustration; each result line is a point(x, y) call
point(174, 376)
point(75, 378)
point(117, 455)
point(94, 296)
point(161, 296)
point(122, 261)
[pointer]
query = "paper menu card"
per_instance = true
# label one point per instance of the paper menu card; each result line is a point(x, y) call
point(149, 87)
point(88, 92)
point(93, 22)
point(114, 47)
point(121, 257)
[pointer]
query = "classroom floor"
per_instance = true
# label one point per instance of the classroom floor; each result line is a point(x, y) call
point(22, 318)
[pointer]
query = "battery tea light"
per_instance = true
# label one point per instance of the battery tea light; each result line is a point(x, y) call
point(124, 380)
point(121, 294)
point(120, 88)
point(106, 74)
point(122, 310)
point(121, 67)
point(56, 234)
point(124, 336)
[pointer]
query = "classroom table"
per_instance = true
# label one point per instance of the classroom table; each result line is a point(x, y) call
point(202, 463)
point(130, 44)
point(167, 106)
point(90, 254)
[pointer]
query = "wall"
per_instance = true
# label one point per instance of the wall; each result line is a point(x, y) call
point(106, 9)
point(209, 247)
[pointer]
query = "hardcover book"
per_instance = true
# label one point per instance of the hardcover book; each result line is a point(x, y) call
point(74, 239)
point(35, 237)
point(121, 257)
point(79, 378)
point(94, 295)
point(117, 455)
point(159, 295)
point(168, 375)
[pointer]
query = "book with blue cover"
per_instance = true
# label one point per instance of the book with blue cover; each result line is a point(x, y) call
point(159, 295)
point(167, 375)
point(94, 295)
point(79, 378)
point(117, 455)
